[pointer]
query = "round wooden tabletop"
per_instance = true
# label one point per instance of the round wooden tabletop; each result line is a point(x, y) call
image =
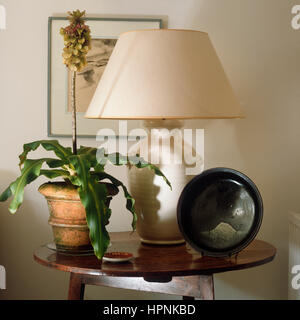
point(155, 261)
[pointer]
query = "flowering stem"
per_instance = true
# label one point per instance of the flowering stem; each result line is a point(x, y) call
point(73, 104)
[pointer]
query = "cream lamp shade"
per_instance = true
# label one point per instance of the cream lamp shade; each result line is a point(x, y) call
point(164, 74)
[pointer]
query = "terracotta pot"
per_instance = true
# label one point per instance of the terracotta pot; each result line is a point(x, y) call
point(68, 216)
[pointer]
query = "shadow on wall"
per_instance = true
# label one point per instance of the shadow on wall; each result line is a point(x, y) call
point(20, 235)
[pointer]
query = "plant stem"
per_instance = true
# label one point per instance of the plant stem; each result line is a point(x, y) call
point(73, 104)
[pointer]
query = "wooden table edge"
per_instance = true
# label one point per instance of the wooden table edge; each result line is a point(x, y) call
point(145, 274)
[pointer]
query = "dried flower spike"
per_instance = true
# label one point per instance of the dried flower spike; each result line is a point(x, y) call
point(77, 40)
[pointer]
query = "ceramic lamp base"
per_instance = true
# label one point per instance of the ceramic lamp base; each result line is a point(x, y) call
point(156, 203)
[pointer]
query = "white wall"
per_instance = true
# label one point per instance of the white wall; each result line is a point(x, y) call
point(260, 53)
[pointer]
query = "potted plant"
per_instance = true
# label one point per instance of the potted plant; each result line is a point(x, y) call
point(79, 205)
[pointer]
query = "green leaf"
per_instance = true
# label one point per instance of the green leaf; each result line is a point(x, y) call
point(99, 167)
point(55, 163)
point(5, 195)
point(93, 197)
point(117, 159)
point(26, 149)
point(29, 173)
point(141, 163)
point(90, 152)
point(87, 150)
point(51, 174)
point(137, 161)
point(49, 145)
point(129, 199)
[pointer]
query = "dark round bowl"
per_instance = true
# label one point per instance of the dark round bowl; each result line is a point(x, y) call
point(220, 212)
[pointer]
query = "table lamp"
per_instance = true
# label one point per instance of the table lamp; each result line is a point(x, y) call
point(162, 76)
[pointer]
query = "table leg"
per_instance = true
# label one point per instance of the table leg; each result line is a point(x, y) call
point(76, 287)
point(207, 291)
point(205, 287)
point(188, 298)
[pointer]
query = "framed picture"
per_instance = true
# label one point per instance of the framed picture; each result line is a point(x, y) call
point(104, 33)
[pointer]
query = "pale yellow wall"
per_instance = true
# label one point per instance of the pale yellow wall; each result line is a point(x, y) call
point(261, 55)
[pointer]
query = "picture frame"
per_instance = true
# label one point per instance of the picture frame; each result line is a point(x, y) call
point(104, 33)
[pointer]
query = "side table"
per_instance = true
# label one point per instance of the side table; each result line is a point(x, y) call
point(177, 270)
